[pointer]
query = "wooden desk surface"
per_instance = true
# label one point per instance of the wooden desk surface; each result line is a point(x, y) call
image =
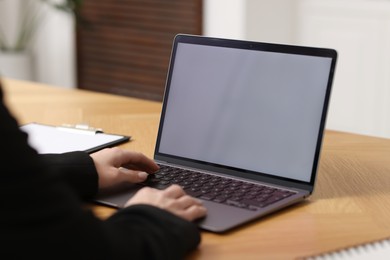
point(350, 204)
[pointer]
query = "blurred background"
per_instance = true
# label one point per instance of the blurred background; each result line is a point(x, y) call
point(123, 47)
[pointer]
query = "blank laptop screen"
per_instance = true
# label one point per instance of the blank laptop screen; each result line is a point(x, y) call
point(254, 110)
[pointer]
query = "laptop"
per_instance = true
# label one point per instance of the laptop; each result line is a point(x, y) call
point(241, 127)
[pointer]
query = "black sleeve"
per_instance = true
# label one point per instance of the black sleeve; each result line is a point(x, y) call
point(77, 169)
point(156, 233)
point(43, 217)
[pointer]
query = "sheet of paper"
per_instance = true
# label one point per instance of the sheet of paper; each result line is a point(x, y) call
point(51, 139)
point(378, 250)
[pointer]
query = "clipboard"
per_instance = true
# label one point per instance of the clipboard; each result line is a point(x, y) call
point(67, 138)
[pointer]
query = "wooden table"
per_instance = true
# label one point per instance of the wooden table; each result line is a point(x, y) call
point(350, 204)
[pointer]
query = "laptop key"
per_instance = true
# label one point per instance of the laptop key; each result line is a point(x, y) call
point(193, 193)
point(265, 201)
point(220, 199)
point(236, 203)
point(207, 196)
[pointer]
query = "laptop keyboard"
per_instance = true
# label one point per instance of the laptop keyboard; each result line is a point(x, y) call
point(218, 189)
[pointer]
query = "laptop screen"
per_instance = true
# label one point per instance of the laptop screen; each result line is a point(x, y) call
point(246, 108)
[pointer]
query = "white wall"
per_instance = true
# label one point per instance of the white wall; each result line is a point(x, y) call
point(224, 18)
point(271, 21)
point(53, 49)
point(360, 31)
point(9, 18)
point(259, 20)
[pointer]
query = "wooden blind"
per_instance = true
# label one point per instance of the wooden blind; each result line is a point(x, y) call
point(124, 46)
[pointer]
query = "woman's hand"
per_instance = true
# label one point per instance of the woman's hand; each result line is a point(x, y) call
point(115, 166)
point(172, 199)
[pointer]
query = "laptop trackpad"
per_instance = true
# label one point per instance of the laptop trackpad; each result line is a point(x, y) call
point(221, 217)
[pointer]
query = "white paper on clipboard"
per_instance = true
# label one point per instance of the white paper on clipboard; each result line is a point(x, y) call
point(60, 139)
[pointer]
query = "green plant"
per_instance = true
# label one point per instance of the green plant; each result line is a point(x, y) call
point(71, 6)
point(31, 17)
